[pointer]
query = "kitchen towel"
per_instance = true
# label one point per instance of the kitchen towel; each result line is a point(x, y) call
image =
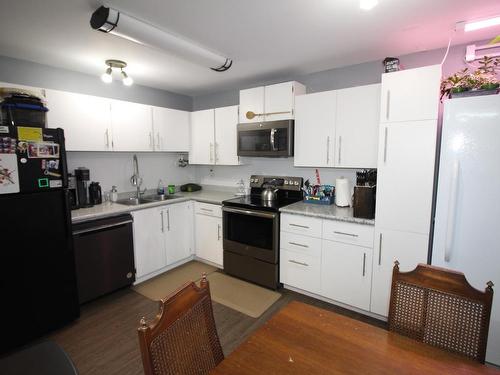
point(342, 192)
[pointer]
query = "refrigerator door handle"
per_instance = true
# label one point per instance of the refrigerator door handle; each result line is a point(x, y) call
point(452, 210)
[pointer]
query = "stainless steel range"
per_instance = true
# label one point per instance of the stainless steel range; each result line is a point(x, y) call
point(251, 228)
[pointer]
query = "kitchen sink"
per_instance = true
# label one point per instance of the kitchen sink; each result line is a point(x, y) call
point(133, 201)
point(157, 198)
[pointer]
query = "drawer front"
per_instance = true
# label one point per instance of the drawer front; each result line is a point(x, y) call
point(208, 209)
point(309, 226)
point(351, 233)
point(300, 271)
point(303, 244)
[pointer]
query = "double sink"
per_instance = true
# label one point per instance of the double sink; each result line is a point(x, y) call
point(133, 201)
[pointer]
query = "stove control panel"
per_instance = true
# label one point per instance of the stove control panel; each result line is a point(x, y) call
point(280, 182)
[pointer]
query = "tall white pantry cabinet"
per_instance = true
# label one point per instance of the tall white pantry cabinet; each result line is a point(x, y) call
point(406, 160)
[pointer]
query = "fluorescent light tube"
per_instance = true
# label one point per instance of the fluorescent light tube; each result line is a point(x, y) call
point(111, 21)
point(476, 25)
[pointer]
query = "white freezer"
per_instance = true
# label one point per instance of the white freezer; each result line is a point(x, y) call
point(467, 220)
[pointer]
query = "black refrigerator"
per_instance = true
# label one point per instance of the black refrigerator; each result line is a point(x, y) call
point(38, 291)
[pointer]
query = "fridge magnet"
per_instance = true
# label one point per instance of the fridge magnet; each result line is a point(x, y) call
point(9, 179)
point(43, 150)
point(29, 134)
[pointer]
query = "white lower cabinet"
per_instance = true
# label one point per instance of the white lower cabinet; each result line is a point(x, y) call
point(149, 241)
point(330, 258)
point(178, 229)
point(300, 270)
point(208, 233)
point(407, 248)
point(346, 273)
point(162, 236)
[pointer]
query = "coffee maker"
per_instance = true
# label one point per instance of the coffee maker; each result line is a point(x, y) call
point(82, 175)
point(73, 195)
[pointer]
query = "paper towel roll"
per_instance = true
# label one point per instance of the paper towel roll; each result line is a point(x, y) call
point(342, 192)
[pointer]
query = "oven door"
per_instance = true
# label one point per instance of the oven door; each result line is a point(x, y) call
point(271, 139)
point(251, 233)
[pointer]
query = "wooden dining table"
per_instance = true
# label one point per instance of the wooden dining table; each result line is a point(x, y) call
point(304, 339)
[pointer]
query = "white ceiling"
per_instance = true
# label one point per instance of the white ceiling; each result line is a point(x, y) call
point(266, 38)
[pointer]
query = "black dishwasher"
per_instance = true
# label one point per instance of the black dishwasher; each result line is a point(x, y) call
point(104, 256)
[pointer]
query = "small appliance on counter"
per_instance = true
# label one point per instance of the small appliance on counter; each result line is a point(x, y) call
point(82, 187)
point(95, 193)
point(365, 194)
point(73, 195)
point(190, 187)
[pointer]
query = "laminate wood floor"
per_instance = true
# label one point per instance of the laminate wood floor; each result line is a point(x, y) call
point(104, 339)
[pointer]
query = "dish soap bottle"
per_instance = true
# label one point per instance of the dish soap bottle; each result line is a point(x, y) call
point(161, 188)
point(114, 194)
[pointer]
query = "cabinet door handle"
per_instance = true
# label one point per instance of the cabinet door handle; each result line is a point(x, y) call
point(380, 250)
point(211, 152)
point(158, 135)
point(299, 226)
point(168, 220)
point(107, 138)
point(346, 234)
point(150, 140)
point(450, 220)
point(327, 150)
point(206, 210)
point(298, 244)
point(216, 152)
point(388, 105)
point(340, 149)
point(218, 232)
point(162, 224)
point(364, 264)
point(299, 263)
point(385, 144)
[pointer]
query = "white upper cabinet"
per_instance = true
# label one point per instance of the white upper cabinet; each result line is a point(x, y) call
point(315, 129)
point(171, 129)
point(202, 150)
point(411, 94)
point(358, 111)
point(337, 128)
point(213, 136)
point(279, 100)
point(405, 175)
point(270, 103)
point(252, 100)
point(132, 126)
point(86, 120)
point(226, 121)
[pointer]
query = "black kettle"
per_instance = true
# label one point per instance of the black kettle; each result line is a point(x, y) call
point(95, 193)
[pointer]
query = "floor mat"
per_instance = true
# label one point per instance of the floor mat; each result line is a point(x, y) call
point(239, 295)
point(162, 285)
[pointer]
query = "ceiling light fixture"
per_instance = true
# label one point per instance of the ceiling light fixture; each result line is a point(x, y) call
point(116, 64)
point(367, 4)
point(112, 21)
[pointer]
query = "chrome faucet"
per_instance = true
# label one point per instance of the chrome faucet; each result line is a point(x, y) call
point(136, 179)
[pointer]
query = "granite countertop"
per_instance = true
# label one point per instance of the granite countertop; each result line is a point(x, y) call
point(206, 195)
point(331, 212)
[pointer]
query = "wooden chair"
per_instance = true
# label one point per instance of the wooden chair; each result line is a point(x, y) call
point(182, 339)
point(440, 308)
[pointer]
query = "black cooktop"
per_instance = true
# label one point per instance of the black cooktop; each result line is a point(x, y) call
point(256, 203)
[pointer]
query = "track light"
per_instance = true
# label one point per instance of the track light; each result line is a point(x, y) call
point(116, 64)
point(112, 21)
point(481, 24)
point(127, 81)
point(107, 76)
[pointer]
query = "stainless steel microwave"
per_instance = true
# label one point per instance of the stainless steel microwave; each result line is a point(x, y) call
point(267, 139)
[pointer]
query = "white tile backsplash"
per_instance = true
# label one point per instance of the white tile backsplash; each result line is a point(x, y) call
point(115, 168)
